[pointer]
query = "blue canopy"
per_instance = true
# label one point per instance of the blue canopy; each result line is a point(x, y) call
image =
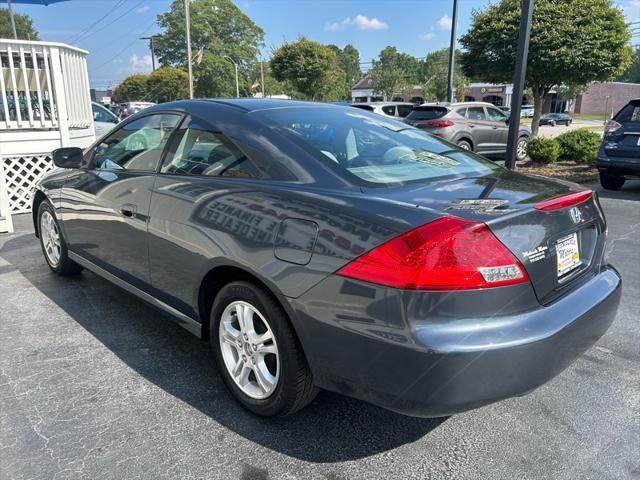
point(31, 2)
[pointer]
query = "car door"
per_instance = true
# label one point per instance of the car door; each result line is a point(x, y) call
point(105, 206)
point(103, 120)
point(481, 129)
point(500, 128)
point(191, 186)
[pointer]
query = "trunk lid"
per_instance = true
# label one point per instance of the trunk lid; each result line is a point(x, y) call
point(505, 201)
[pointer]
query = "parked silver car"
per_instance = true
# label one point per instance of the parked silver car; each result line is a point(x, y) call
point(390, 109)
point(476, 126)
point(103, 119)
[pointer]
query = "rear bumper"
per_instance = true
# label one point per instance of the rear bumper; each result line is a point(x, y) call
point(440, 367)
point(618, 166)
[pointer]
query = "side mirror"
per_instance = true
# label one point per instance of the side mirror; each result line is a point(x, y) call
point(68, 157)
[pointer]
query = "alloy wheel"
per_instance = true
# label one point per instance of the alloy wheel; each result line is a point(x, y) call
point(249, 350)
point(521, 149)
point(50, 238)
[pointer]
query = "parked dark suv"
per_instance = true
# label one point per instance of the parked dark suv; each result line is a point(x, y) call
point(619, 154)
point(477, 126)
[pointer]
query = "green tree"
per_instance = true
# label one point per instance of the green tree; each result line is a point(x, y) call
point(573, 42)
point(272, 86)
point(167, 84)
point(24, 26)
point(393, 72)
point(435, 68)
point(222, 30)
point(349, 61)
point(131, 89)
point(632, 74)
point(309, 66)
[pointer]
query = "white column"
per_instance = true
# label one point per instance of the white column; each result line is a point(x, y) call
point(60, 97)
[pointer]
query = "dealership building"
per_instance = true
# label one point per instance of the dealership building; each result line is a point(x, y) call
point(598, 96)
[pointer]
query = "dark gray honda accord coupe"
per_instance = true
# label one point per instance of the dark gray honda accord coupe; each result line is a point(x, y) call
point(320, 246)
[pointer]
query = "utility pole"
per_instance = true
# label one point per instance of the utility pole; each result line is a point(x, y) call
point(518, 81)
point(452, 52)
point(188, 34)
point(13, 21)
point(606, 107)
point(262, 76)
point(153, 54)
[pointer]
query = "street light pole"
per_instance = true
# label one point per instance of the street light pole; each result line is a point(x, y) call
point(452, 52)
point(606, 107)
point(153, 54)
point(188, 34)
point(236, 67)
point(518, 82)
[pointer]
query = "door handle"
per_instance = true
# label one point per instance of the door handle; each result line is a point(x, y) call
point(129, 210)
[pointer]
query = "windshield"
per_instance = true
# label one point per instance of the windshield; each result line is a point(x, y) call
point(372, 149)
point(427, 113)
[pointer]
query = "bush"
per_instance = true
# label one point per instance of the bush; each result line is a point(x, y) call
point(543, 150)
point(579, 145)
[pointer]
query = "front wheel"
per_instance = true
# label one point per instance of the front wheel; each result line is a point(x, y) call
point(258, 354)
point(610, 182)
point(52, 242)
point(521, 148)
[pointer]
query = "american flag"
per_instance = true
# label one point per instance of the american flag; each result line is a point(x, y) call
point(199, 55)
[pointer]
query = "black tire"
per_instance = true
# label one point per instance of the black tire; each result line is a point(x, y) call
point(64, 266)
point(465, 145)
point(610, 182)
point(294, 388)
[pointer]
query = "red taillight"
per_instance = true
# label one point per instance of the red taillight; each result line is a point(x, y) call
point(439, 123)
point(611, 126)
point(564, 201)
point(448, 254)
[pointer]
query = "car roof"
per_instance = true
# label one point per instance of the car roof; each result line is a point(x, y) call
point(251, 104)
point(381, 103)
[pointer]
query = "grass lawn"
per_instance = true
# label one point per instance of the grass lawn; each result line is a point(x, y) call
point(590, 116)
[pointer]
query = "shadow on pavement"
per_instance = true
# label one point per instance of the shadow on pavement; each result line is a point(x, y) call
point(629, 191)
point(332, 429)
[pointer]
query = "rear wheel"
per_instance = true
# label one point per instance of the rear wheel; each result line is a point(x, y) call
point(611, 182)
point(52, 242)
point(521, 148)
point(258, 354)
point(464, 144)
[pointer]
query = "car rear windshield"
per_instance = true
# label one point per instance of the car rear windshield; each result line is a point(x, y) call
point(427, 113)
point(372, 150)
point(630, 113)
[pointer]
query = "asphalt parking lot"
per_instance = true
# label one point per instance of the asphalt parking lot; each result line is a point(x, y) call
point(96, 385)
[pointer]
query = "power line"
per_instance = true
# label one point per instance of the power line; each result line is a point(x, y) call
point(126, 46)
point(110, 23)
point(86, 29)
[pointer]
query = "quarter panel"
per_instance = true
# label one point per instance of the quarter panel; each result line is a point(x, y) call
point(197, 220)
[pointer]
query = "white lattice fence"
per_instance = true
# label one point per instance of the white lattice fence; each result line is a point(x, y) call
point(21, 175)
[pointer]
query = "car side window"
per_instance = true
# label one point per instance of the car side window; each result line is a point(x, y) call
point(202, 151)
point(102, 115)
point(476, 113)
point(389, 110)
point(404, 110)
point(462, 112)
point(496, 115)
point(137, 145)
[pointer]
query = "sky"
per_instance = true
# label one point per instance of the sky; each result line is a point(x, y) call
point(110, 29)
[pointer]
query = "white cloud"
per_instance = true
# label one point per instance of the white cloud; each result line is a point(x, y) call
point(140, 64)
point(445, 22)
point(142, 9)
point(361, 22)
point(428, 36)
